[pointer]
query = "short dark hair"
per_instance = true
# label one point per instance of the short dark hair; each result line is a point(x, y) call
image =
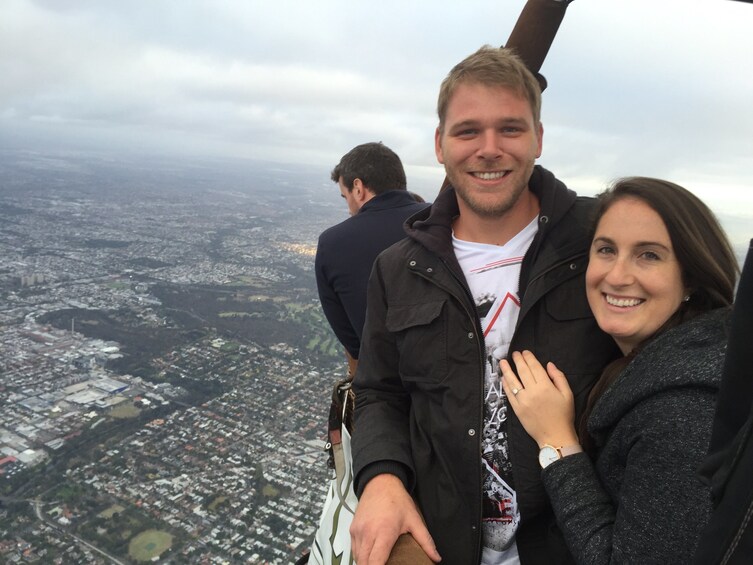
point(378, 167)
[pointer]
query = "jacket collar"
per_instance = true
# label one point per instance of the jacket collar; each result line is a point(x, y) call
point(688, 355)
point(389, 199)
point(432, 227)
point(555, 199)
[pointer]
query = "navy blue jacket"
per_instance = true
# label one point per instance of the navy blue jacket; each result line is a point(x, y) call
point(345, 255)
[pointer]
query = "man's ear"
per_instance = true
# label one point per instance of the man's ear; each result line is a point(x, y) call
point(360, 193)
point(438, 146)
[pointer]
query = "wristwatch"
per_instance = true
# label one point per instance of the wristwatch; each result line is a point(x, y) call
point(549, 454)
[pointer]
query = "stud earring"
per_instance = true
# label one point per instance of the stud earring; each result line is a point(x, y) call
point(686, 298)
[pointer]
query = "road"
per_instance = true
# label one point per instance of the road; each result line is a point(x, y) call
point(37, 504)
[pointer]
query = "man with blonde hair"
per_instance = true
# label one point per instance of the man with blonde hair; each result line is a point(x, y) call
point(495, 265)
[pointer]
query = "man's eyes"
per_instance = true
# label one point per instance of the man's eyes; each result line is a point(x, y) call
point(506, 130)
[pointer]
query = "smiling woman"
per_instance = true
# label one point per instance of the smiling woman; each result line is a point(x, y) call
point(660, 281)
point(634, 281)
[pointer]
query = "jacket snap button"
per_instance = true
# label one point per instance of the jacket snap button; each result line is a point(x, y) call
point(470, 335)
point(573, 266)
point(544, 219)
point(471, 432)
point(412, 263)
point(429, 270)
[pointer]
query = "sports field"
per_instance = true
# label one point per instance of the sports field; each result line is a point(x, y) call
point(149, 544)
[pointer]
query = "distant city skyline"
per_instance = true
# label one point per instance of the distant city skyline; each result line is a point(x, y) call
point(635, 86)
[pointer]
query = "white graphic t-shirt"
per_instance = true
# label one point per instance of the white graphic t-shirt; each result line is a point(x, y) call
point(493, 275)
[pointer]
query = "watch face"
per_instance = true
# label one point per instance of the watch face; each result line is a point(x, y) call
point(547, 455)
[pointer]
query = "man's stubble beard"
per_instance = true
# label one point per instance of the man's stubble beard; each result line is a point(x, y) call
point(496, 208)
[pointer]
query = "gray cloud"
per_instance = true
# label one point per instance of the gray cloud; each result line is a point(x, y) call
point(636, 86)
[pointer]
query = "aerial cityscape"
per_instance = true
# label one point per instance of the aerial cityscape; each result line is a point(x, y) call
point(165, 367)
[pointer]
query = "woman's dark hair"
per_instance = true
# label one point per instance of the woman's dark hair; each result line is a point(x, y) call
point(707, 263)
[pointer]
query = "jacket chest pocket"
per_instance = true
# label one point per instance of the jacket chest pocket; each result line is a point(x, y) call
point(421, 335)
point(573, 340)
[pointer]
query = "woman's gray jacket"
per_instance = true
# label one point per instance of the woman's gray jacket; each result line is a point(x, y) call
point(642, 501)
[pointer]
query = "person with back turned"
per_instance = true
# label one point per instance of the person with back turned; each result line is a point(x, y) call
point(372, 182)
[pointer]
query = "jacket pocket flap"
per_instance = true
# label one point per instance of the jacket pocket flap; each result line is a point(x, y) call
point(403, 316)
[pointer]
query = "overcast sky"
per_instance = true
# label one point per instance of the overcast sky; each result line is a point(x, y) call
point(649, 87)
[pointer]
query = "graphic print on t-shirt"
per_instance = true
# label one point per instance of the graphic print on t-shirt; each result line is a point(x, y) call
point(498, 310)
point(493, 274)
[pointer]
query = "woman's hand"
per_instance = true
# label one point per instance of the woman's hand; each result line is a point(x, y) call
point(541, 398)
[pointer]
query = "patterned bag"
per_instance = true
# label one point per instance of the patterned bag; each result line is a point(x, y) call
point(331, 544)
point(332, 540)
